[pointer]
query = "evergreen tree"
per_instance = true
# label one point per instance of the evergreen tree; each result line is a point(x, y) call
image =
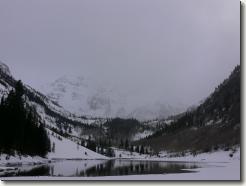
point(121, 143)
point(20, 128)
point(110, 152)
point(70, 129)
point(131, 148)
point(137, 149)
point(146, 151)
point(53, 147)
point(126, 144)
point(141, 150)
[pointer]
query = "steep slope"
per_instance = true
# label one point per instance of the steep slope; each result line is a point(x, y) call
point(77, 129)
point(48, 109)
point(52, 115)
point(63, 148)
point(213, 124)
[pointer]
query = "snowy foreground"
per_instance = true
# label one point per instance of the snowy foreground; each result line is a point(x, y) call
point(219, 166)
point(64, 149)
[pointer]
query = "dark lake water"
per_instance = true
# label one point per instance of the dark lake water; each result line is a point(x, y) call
point(92, 168)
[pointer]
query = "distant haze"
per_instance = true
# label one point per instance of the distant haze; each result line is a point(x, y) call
point(167, 51)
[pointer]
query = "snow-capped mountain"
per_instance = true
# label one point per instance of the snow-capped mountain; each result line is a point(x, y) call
point(220, 111)
point(83, 96)
point(59, 120)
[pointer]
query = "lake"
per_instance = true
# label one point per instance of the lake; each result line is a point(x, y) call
point(93, 168)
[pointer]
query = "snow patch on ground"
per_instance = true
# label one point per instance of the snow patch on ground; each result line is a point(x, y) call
point(216, 156)
point(220, 166)
point(20, 159)
point(217, 171)
point(67, 149)
point(9, 163)
point(124, 154)
point(141, 135)
point(64, 149)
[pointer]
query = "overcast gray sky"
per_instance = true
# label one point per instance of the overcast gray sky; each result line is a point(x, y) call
point(155, 49)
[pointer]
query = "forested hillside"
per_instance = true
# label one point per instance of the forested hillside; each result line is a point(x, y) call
point(21, 129)
point(212, 125)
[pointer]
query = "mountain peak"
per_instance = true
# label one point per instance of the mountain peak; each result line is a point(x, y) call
point(4, 68)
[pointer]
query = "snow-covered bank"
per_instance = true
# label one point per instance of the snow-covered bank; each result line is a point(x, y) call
point(66, 149)
point(220, 165)
point(215, 156)
point(6, 160)
point(214, 171)
point(9, 163)
point(62, 149)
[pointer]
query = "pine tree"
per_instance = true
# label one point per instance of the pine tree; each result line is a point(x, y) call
point(20, 128)
point(53, 147)
point(126, 144)
point(137, 149)
point(141, 150)
point(131, 148)
point(121, 143)
point(70, 129)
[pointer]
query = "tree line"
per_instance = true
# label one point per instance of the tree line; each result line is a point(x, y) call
point(20, 127)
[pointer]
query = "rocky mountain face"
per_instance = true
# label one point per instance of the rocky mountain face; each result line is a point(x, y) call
point(85, 97)
point(214, 124)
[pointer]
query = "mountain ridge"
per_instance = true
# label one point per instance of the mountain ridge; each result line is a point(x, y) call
point(216, 117)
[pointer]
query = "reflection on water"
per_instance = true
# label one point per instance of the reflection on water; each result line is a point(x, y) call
point(90, 168)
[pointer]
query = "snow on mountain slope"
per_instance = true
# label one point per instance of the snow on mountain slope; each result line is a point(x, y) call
point(81, 96)
point(50, 111)
point(51, 114)
point(67, 149)
point(4, 68)
point(141, 135)
point(84, 96)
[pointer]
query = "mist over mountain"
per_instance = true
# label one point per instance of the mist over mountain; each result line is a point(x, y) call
point(83, 96)
point(86, 131)
point(120, 90)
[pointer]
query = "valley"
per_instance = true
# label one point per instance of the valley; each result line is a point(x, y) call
point(196, 135)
